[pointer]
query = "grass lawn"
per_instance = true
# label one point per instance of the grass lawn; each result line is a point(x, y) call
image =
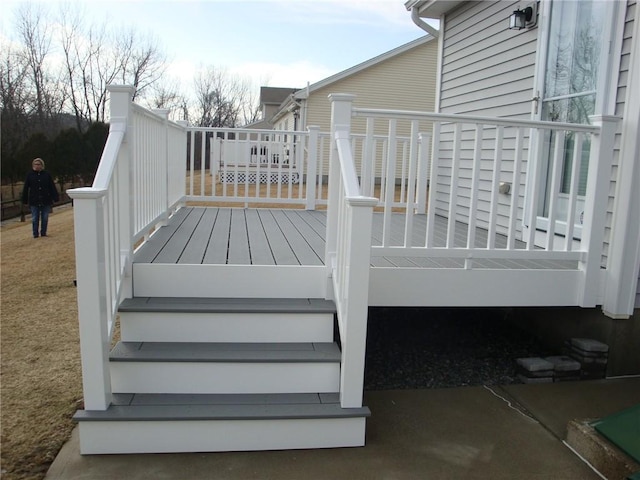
point(41, 383)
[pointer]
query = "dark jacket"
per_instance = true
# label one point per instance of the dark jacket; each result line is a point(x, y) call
point(39, 189)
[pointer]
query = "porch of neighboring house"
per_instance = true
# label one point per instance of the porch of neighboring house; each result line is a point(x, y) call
point(242, 285)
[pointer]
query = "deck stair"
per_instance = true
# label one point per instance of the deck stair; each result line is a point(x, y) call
point(213, 374)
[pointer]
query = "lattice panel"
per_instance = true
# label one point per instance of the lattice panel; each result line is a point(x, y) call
point(265, 177)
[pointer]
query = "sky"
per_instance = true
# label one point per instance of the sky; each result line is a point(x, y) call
point(277, 43)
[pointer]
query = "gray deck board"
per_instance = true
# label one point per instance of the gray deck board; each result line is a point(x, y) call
point(173, 249)
point(280, 248)
point(258, 243)
point(197, 246)
point(216, 252)
point(156, 243)
point(238, 239)
point(299, 245)
point(296, 237)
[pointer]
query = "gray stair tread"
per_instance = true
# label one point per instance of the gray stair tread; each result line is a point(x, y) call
point(224, 352)
point(225, 399)
point(221, 412)
point(227, 305)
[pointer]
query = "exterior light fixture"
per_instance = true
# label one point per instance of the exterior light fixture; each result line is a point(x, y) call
point(524, 18)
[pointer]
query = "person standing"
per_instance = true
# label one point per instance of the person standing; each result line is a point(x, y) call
point(39, 193)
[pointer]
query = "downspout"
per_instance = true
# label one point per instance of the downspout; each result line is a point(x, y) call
point(422, 24)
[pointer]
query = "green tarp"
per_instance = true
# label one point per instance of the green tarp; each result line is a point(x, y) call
point(623, 430)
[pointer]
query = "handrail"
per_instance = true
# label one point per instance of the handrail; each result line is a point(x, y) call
point(473, 119)
point(134, 189)
point(347, 257)
point(109, 156)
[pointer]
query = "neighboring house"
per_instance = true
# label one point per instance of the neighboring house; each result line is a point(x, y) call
point(400, 79)
point(270, 100)
point(570, 60)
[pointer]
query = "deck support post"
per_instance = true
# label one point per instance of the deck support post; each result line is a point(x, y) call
point(595, 208)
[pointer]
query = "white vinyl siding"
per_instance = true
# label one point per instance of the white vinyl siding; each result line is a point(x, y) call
point(620, 98)
point(487, 70)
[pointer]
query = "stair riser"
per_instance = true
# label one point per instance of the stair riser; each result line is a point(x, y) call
point(219, 435)
point(209, 377)
point(232, 281)
point(225, 327)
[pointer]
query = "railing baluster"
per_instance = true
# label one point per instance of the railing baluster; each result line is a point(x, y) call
point(475, 180)
point(495, 187)
point(422, 173)
point(573, 191)
point(368, 159)
point(533, 173)
point(453, 191)
point(515, 189)
point(554, 189)
point(389, 182)
point(433, 185)
point(412, 171)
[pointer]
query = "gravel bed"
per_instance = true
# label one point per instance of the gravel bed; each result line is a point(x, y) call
point(439, 348)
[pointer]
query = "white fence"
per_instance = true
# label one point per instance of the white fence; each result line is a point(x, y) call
point(257, 166)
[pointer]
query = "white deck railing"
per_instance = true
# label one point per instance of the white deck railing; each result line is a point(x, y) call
point(140, 180)
point(144, 175)
point(471, 162)
point(250, 166)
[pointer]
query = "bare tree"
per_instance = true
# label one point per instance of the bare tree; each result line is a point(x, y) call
point(14, 106)
point(36, 37)
point(142, 63)
point(222, 100)
point(166, 94)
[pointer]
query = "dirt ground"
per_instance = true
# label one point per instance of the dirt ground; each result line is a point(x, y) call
point(40, 382)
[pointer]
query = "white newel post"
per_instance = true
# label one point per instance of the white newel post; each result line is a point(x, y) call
point(312, 167)
point(93, 306)
point(341, 104)
point(595, 207)
point(356, 305)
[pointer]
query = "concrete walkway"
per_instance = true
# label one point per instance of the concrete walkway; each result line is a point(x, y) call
point(507, 432)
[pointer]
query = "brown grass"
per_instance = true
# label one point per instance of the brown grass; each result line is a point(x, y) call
point(40, 355)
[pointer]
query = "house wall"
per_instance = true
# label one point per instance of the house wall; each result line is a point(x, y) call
point(621, 92)
point(487, 70)
point(403, 82)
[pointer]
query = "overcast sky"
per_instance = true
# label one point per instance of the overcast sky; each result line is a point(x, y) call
point(279, 43)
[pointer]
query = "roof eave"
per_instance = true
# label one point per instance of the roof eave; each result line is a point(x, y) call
point(432, 8)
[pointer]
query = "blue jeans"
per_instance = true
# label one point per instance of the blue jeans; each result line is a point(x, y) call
point(40, 217)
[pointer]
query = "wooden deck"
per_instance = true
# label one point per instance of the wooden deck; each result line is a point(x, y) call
point(236, 236)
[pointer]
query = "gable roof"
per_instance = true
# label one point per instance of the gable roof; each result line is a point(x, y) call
point(274, 95)
point(304, 93)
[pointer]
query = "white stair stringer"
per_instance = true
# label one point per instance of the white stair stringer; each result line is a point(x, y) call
point(223, 374)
